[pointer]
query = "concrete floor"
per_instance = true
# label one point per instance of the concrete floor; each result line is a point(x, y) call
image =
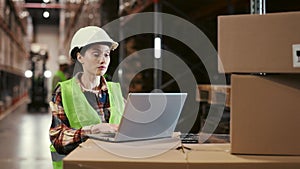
point(24, 140)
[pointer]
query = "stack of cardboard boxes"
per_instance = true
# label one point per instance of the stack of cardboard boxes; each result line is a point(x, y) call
point(261, 54)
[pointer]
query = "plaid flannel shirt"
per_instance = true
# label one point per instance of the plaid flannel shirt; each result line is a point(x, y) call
point(62, 136)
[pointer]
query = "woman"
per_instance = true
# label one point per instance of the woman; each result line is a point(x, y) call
point(85, 104)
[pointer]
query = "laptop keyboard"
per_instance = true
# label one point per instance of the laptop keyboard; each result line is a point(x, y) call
point(108, 134)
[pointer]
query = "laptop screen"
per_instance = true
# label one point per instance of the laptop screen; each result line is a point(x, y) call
point(150, 115)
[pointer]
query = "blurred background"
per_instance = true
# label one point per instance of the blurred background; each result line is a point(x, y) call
point(34, 33)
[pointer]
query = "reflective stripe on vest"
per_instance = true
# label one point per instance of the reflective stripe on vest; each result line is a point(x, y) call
point(57, 162)
point(54, 155)
point(80, 113)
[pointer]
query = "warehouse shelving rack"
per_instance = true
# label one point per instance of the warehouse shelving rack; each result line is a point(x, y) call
point(13, 55)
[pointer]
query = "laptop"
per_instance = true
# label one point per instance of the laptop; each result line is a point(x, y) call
point(147, 116)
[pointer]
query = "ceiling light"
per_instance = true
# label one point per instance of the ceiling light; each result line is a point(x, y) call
point(157, 47)
point(91, 16)
point(28, 73)
point(46, 1)
point(47, 74)
point(46, 14)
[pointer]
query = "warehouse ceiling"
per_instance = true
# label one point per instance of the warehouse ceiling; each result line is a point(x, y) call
point(193, 10)
point(36, 8)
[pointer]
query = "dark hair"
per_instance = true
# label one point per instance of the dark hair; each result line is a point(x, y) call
point(74, 53)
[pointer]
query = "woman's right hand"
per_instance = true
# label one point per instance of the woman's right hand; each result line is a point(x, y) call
point(104, 128)
point(100, 128)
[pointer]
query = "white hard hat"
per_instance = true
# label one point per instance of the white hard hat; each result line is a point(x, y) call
point(63, 60)
point(89, 35)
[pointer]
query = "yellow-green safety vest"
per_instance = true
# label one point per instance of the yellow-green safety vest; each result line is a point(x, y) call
point(80, 113)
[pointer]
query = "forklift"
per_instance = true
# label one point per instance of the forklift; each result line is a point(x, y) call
point(38, 89)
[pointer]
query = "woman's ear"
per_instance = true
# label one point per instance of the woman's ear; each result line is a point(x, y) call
point(79, 57)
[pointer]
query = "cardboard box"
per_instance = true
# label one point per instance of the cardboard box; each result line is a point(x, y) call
point(265, 114)
point(90, 155)
point(259, 43)
point(217, 156)
point(204, 156)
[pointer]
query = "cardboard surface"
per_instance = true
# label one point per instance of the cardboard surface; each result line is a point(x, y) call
point(216, 156)
point(258, 43)
point(204, 156)
point(216, 159)
point(90, 156)
point(265, 116)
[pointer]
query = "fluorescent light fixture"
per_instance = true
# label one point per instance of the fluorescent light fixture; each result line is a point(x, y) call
point(46, 14)
point(28, 73)
point(157, 47)
point(47, 74)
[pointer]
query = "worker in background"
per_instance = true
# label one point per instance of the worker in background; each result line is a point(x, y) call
point(86, 103)
point(61, 73)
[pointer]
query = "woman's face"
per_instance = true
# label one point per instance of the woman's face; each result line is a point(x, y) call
point(96, 59)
